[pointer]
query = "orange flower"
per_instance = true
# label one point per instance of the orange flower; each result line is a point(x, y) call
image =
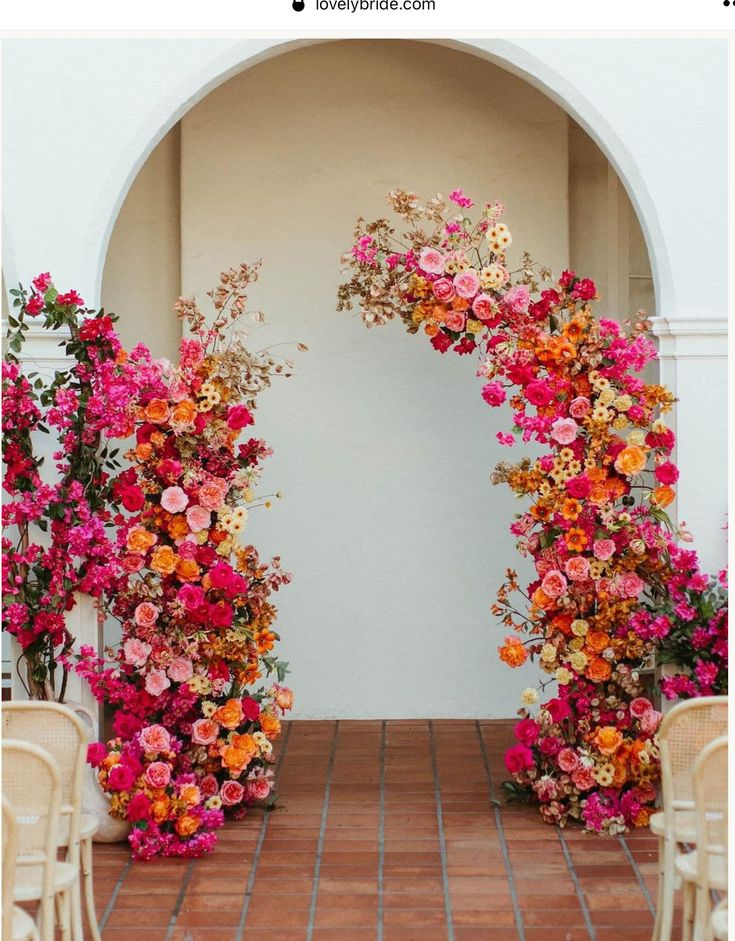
point(571, 509)
point(235, 760)
point(143, 452)
point(187, 570)
point(187, 824)
point(513, 652)
point(540, 512)
point(160, 809)
point(139, 540)
point(270, 724)
point(542, 600)
point(620, 775)
point(631, 460)
point(163, 560)
point(597, 641)
point(229, 715)
point(573, 330)
point(598, 670)
point(431, 329)
point(662, 496)
point(599, 494)
point(245, 742)
point(576, 539)
point(157, 410)
point(184, 412)
point(608, 739)
point(250, 674)
point(460, 303)
point(643, 817)
point(190, 795)
point(178, 527)
point(561, 623)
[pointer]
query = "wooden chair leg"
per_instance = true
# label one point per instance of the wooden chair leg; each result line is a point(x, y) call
point(702, 913)
point(46, 919)
point(89, 889)
point(687, 922)
point(63, 914)
point(666, 890)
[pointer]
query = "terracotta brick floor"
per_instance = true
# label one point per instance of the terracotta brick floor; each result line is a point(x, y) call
point(388, 831)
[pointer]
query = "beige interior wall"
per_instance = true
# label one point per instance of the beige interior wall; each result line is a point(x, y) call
point(142, 275)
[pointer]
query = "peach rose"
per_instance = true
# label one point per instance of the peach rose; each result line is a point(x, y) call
point(270, 725)
point(163, 560)
point(184, 413)
point(232, 793)
point(631, 460)
point(187, 570)
point(139, 540)
point(187, 824)
point(154, 739)
point(146, 614)
point(158, 774)
point(180, 670)
point(583, 779)
point(568, 760)
point(554, 584)
point(136, 652)
point(212, 493)
point(608, 739)
point(577, 568)
point(663, 496)
point(603, 549)
point(230, 715)
point(204, 732)
point(157, 410)
point(190, 795)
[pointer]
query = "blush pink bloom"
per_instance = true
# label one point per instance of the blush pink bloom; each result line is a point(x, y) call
point(577, 568)
point(483, 307)
point(583, 779)
point(191, 354)
point(517, 299)
point(156, 682)
point(640, 706)
point(204, 732)
point(650, 721)
point(630, 585)
point(198, 518)
point(131, 563)
point(212, 493)
point(154, 739)
point(568, 760)
point(158, 774)
point(603, 549)
point(146, 614)
point(136, 652)
point(431, 260)
point(564, 430)
point(180, 670)
point(554, 584)
point(443, 290)
point(174, 500)
point(257, 788)
point(232, 793)
point(178, 391)
point(579, 407)
point(467, 283)
point(455, 320)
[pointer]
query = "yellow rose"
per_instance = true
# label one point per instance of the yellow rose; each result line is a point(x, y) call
point(563, 676)
point(580, 627)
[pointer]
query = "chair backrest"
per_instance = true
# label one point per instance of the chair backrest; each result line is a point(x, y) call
point(61, 733)
point(684, 732)
point(10, 851)
point(710, 799)
point(32, 787)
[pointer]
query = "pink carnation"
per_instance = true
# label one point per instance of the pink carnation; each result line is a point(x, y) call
point(431, 260)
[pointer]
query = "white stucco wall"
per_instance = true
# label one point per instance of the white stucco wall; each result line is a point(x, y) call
point(80, 117)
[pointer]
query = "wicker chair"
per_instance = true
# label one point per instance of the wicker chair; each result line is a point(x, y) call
point(719, 921)
point(684, 731)
point(705, 869)
point(32, 786)
point(17, 924)
point(62, 733)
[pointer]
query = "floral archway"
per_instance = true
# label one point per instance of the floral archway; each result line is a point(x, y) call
point(612, 587)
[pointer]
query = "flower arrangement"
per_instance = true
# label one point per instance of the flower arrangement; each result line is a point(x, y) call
point(611, 584)
point(57, 537)
point(193, 738)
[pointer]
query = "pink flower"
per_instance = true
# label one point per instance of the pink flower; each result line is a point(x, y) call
point(198, 518)
point(158, 774)
point(650, 721)
point(443, 290)
point(96, 754)
point(583, 779)
point(191, 596)
point(212, 493)
point(493, 393)
point(154, 740)
point(666, 473)
point(484, 308)
point(564, 430)
point(146, 614)
point(136, 652)
point(131, 563)
point(579, 487)
point(34, 305)
point(639, 707)
point(518, 758)
point(554, 584)
point(191, 354)
point(455, 320)
point(517, 299)
point(180, 670)
point(42, 281)
point(538, 393)
point(204, 731)
point(527, 731)
point(231, 793)
point(458, 197)
point(577, 568)
point(630, 585)
point(558, 709)
point(120, 778)
point(156, 682)
point(238, 417)
point(603, 549)
point(257, 788)
point(467, 283)
point(568, 760)
point(431, 260)
point(139, 808)
point(208, 786)
point(579, 407)
point(174, 500)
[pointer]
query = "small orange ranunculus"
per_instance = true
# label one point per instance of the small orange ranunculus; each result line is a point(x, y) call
point(431, 329)
point(513, 652)
point(163, 560)
point(599, 494)
point(270, 724)
point(157, 410)
point(143, 451)
point(187, 824)
point(139, 540)
point(608, 739)
point(184, 413)
point(160, 809)
point(631, 460)
point(576, 539)
point(230, 715)
point(178, 528)
point(598, 669)
point(187, 570)
point(662, 496)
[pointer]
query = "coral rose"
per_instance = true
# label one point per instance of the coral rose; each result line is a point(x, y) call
point(157, 410)
point(631, 460)
point(229, 715)
point(554, 584)
point(577, 568)
point(455, 320)
point(158, 774)
point(231, 792)
point(568, 760)
point(640, 706)
point(204, 732)
point(443, 290)
point(146, 614)
point(258, 788)
point(154, 739)
point(212, 493)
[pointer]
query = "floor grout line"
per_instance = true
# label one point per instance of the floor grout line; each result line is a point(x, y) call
point(442, 839)
point(322, 831)
point(115, 892)
point(638, 875)
point(577, 885)
point(179, 900)
point(381, 831)
point(259, 844)
point(501, 834)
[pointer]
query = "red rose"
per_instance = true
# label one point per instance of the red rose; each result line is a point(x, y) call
point(518, 758)
point(250, 708)
point(558, 709)
point(139, 808)
point(125, 725)
point(667, 473)
point(239, 417)
point(220, 614)
point(526, 731)
point(441, 342)
point(132, 498)
point(96, 754)
point(121, 778)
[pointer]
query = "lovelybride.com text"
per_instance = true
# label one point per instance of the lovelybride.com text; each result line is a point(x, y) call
point(362, 6)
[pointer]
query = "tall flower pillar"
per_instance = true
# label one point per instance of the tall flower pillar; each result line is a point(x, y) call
point(693, 364)
point(43, 355)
